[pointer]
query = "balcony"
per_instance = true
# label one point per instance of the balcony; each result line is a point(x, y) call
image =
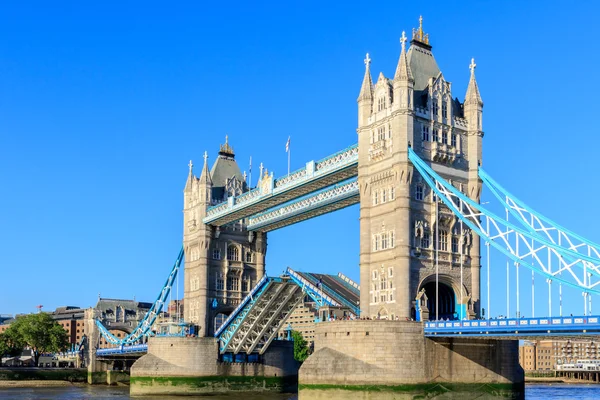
point(443, 153)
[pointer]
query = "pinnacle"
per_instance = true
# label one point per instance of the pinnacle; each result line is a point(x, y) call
point(473, 95)
point(366, 90)
point(403, 72)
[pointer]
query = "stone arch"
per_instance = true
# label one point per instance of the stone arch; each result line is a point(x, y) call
point(383, 313)
point(220, 316)
point(450, 304)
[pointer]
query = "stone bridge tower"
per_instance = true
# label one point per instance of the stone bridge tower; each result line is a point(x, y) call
point(222, 264)
point(404, 231)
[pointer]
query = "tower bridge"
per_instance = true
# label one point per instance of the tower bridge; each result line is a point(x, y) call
point(417, 174)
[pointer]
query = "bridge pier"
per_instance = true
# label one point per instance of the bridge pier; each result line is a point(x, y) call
point(394, 356)
point(185, 365)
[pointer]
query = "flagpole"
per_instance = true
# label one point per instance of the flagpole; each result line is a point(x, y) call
point(250, 181)
point(289, 155)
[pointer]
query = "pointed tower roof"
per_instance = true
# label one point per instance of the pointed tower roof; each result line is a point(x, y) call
point(190, 179)
point(205, 175)
point(366, 90)
point(473, 96)
point(403, 71)
point(420, 58)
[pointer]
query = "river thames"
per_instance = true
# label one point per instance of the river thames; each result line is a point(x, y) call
point(533, 391)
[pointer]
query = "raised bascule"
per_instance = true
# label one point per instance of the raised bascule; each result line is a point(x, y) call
point(416, 173)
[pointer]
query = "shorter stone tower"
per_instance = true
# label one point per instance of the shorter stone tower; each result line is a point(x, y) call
point(222, 264)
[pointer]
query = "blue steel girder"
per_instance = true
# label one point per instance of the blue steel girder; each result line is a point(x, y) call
point(549, 259)
point(515, 328)
point(144, 326)
point(271, 192)
point(312, 205)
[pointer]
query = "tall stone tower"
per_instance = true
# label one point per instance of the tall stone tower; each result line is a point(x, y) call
point(222, 264)
point(406, 234)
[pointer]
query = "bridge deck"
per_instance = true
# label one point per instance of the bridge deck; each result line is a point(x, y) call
point(336, 288)
point(255, 323)
point(513, 328)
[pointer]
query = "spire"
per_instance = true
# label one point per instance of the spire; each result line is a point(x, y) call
point(205, 175)
point(473, 96)
point(366, 90)
point(419, 36)
point(188, 183)
point(403, 71)
point(226, 150)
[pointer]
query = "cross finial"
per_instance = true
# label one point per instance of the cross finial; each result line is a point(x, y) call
point(472, 66)
point(403, 40)
point(367, 60)
point(191, 165)
point(205, 156)
point(261, 169)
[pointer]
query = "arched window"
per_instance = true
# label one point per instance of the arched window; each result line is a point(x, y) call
point(219, 319)
point(376, 197)
point(249, 256)
point(233, 254)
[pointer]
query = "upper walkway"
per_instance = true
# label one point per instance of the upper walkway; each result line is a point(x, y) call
point(271, 192)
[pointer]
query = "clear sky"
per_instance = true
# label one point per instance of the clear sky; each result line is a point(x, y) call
point(103, 105)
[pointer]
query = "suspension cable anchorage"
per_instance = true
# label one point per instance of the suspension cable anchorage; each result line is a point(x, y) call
point(143, 327)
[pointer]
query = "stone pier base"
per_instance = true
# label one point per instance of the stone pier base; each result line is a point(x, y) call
point(183, 366)
point(394, 358)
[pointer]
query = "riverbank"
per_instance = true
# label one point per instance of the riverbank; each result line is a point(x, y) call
point(67, 375)
point(38, 384)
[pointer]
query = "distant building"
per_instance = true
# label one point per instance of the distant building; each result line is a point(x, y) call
point(545, 355)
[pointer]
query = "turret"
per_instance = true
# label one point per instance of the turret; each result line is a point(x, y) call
point(473, 108)
point(205, 185)
point(403, 80)
point(365, 97)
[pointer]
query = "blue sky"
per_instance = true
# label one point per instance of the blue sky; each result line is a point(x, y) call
point(102, 107)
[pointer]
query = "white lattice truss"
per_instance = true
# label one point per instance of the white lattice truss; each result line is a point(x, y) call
point(531, 245)
point(319, 199)
point(262, 320)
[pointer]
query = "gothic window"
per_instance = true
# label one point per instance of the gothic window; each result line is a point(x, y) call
point(219, 320)
point(233, 283)
point(220, 284)
point(249, 257)
point(381, 133)
point(454, 244)
point(383, 282)
point(376, 243)
point(233, 254)
point(375, 197)
point(434, 107)
point(216, 254)
point(392, 240)
point(391, 294)
point(443, 240)
point(381, 103)
point(444, 137)
point(425, 132)
point(384, 241)
point(425, 240)
point(392, 193)
point(375, 276)
point(391, 273)
point(444, 110)
point(383, 196)
point(436, 135)
point(453, 140)
point(419, 192)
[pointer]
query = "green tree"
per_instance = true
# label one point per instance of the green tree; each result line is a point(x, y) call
point(10, 345)
point(301, 350)
point(40, 333)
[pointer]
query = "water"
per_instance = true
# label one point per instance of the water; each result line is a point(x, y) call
point(536, 391)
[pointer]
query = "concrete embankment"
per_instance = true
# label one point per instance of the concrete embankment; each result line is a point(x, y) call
point(37, 377)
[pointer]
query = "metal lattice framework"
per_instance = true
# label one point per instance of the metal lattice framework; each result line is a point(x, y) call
point(271, 192)
point(318, 203)
point(254, 326)
point(144, 327)
point(524, 244)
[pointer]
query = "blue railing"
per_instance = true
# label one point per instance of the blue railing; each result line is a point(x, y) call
point(137, 348)
point(548, 326)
